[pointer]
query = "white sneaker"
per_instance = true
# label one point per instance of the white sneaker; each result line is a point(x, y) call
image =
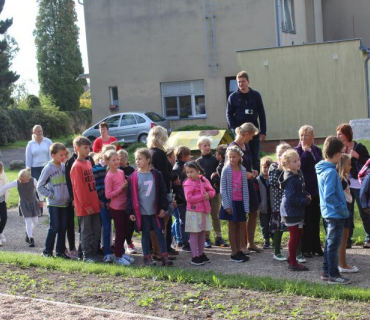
point(128, 258)
point(107, 259)
point(1, 243)
point(131, 248)
point(354, 269)
point(122, 262)
point(301, 259)
point(2, 237)
point(280, 257)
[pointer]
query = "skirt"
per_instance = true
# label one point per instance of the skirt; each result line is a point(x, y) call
point(197, 221)
point(275, 222)
point(238, 215)
point(30, 209)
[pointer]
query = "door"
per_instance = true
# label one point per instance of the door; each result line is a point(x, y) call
point(113, 124)
point(128, 128)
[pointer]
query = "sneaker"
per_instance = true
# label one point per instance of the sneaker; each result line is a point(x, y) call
point(243, 256)
point(122, 262)
point(2, 238)
point(128, 258)
point(179, 246)
point(173, 252)
point(89, 260)
point(339, 280)
point(324, 277)
point(197, 261)
point(236, 258)
point(186, 248)
point(301, 259)
point(204, 258)
point(354, 269)
point(108, 259)
point(131, 249)
point(166, 262)
point(208, 244)
point(47, 254)
point(27, 239)
point(148, 262)
point(297, 267)
point(73, 254)
point(280, 257)
point(62, 255)
point(266, 245)
point(31, 243)
point(221, 243)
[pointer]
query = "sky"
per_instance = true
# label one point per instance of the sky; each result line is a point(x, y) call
point(24, 14)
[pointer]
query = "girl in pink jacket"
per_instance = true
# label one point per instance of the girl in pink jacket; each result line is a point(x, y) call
point(198, 191)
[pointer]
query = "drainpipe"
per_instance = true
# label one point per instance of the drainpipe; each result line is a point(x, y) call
point(367, 81)
point(278, 21)
point(80, 2)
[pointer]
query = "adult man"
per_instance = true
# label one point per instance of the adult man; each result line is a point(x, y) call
point(245, 105)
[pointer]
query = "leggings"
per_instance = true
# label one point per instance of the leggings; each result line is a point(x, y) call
point(296, 234)
point(3, 216)
point(236, 234)
point(31, 223)
point(197, 243)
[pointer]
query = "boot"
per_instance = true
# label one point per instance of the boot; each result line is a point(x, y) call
point(27, 239)
point(31, 243)
point(165, 260)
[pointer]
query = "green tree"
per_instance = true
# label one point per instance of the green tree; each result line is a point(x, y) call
point(8, 48)
point(59, 59)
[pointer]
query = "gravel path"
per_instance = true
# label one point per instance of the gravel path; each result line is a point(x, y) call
point(260, 264)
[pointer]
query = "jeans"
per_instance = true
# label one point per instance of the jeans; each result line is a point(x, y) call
point(176, 232)
point(334, 232)
point(106, 221)
point(149, 223)
point(364, 216)
point(57, 225)
point(184, 235)
point(254, 146)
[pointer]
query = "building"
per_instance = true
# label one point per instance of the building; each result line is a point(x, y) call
point(178, 57)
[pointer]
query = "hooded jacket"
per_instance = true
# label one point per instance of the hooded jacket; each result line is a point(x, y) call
point(332, 200)
point(294, 197)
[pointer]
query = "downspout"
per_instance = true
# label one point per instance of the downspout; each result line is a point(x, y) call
point(278, 22)
point(80, 2)
point(367, 81)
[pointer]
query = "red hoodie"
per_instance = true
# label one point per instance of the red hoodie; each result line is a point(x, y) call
point(83, 184)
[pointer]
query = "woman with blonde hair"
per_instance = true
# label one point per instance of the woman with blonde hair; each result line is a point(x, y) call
point(244, 134)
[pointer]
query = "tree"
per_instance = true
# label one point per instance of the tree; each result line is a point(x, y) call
point(8, 48)
point(59, 59)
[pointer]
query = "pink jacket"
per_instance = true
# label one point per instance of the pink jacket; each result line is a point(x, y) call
point(194, 194)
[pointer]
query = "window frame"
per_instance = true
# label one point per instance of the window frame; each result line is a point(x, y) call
point(284, 22)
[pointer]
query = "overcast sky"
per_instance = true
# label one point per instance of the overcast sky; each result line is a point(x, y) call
point(24, 14)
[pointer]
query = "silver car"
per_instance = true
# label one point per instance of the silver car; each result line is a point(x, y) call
point(129, 127)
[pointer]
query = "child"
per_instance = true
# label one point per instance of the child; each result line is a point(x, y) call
point(276, 227)
point(344, 168)
point(235, 201)
point(128, 171)
point(170, 153)
point(265, 193)
point(333, 208)
point(208, 162)
point(29, 203)
point(116, 191)
point(292, 205)
point(220, 156)
point(147, 205)
point(3, 198)
point(198, 191)
point(86, 200)
point(183, 155)
point(52, 185)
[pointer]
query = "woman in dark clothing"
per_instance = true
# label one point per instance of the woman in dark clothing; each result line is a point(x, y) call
point(310, 155)
point(156, 140)
point(359, 156)
point(244, 134)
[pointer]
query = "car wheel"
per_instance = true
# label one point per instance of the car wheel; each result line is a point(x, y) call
point(142, 138)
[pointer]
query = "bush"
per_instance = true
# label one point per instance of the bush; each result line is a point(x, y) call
point(8, 132)
point(79, 120)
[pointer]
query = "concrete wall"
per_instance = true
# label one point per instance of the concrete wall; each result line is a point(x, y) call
point(136, 45)
point(305, 85)
point(345, 19)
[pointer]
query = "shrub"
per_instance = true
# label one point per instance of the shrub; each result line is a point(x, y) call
point(8, 132)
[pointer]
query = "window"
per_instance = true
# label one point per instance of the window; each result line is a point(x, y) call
point(113, 122)
point(183, 99)
point(139, 119)
point(113, 92)
point(231, 86)
point(288, 16)
point(128, 120)
point(155, 117)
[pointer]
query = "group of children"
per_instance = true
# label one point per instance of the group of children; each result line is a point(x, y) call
point(206, 191)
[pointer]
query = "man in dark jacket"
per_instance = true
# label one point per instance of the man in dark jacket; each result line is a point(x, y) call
point(245, 105)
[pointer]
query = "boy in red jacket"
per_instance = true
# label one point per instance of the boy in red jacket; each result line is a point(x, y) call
point(86, 201)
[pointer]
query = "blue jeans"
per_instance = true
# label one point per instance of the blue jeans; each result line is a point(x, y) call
point(106, 221)
point(175, 231)
point(254, 146)
point(364, 216)
point(57, 225)
point(184, 235)
point(149, 223)
point(334, 232)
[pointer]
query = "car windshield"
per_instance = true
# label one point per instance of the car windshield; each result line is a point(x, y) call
point(155, 117)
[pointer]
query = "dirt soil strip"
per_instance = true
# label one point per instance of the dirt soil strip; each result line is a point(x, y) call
point(18, 307)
